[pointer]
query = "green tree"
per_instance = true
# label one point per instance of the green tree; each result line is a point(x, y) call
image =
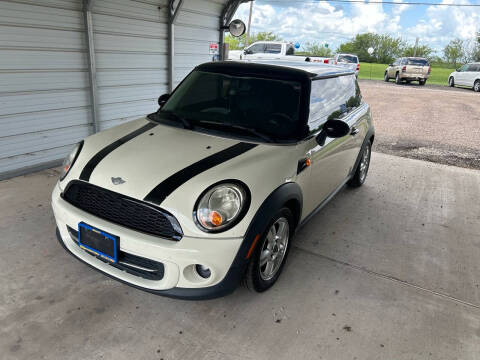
point(315, 49)
point(238, 43)
point(386, 47)
point(454, 51)
point(476, 49)
point(422, 51)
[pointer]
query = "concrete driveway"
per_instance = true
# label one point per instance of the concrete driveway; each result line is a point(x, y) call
point(387, 271)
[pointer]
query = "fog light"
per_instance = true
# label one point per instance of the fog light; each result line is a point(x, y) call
point(203, 271)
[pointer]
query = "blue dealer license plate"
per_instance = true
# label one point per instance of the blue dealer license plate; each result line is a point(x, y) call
point(98, 242)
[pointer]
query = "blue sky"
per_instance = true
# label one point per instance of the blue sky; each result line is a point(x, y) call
point(327, 22)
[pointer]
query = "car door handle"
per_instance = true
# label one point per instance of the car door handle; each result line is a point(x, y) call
point(354, 131)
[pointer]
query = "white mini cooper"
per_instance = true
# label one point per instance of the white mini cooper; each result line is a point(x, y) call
point(210, 189)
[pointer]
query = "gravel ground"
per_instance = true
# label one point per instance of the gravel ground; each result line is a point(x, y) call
point(432, 123)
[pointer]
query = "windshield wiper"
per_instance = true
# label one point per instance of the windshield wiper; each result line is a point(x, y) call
point(187, 124)
point(251, 131)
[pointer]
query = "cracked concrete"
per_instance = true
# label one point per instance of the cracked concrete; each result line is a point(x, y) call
point(387, 271)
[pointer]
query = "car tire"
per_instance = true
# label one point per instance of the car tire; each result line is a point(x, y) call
point(422, 82)
point(476, 86)
point(386, 78)
point(451, 81)
point(398, 81)
point(408, 81)
point(263, 270)
point(362, 168)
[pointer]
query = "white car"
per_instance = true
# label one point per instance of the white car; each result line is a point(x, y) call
point(468, 75)
point(210, 189)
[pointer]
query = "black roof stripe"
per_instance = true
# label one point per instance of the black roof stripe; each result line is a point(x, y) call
point(95, 160)
point(169, 185)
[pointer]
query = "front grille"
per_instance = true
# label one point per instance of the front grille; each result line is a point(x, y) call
point(132, 264)
point(122, 210)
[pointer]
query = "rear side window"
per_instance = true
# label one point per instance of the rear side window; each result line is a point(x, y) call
point(418, 62)
point(473, 67)
point(332, 98)
point(273, 48)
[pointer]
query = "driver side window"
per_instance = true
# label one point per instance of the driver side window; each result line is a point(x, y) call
point(256, 48)
point(463, 68)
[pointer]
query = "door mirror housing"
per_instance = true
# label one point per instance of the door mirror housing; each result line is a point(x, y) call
point(333, 129)
point(247, 51)
point(163, 99)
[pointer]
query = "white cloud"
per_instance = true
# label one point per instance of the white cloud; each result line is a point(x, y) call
point(332, 23)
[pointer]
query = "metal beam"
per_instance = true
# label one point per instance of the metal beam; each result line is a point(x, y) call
point(227, 14)
point(173, 12)
point(92, 69)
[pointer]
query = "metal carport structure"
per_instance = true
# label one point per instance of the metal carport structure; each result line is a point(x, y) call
point(69, 68)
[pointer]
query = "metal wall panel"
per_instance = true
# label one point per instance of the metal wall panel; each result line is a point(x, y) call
point(131, 54)
point(44, 82)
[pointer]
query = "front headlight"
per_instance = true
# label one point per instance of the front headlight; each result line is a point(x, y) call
point(70, 160)
point(221, 206)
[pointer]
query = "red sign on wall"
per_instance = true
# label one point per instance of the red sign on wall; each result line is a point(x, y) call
point(213, 49)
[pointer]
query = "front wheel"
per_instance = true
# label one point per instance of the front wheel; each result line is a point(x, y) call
point(451, 82)
point(270, 253)
point(422, 82)
point(362, 169)
point(386, 78)
point(476, 86)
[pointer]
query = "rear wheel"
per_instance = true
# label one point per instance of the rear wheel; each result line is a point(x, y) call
point(386, 78)
point(362, 169)
point(476, 86)
point(397, 79)
point(422, 82)
point(270, 253)
point(451, 81)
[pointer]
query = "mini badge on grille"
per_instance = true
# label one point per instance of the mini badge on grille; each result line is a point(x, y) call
point(117, 180)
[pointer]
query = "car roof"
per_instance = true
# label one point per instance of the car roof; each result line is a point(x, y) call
point(347, 54)
point(277, 69)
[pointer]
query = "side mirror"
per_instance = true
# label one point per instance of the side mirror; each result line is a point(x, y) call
point(247, 51)
point(333, 129)
point(163, 99)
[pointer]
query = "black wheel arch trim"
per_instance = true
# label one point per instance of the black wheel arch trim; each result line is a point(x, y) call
point(276, 200)
point(370, 133)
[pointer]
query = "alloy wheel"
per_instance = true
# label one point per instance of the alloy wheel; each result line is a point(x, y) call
point(364, 163)
point(274, 249)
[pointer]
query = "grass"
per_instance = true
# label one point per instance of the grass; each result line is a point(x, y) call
point(438, 76)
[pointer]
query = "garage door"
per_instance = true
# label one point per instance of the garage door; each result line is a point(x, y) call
point(43, 82)
point(45, 99)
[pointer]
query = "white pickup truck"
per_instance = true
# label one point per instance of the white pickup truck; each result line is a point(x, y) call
point(273, 50)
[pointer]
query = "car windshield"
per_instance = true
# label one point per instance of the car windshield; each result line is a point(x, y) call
point(266, 109)
point(347, 59)
point(418, 62)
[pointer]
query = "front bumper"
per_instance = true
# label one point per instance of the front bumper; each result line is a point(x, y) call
point(178, 258)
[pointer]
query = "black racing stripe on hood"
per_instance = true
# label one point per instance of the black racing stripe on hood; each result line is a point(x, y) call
point(94, 161)
point(169, 185)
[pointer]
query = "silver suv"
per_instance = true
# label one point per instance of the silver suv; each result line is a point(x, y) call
point(408, 69)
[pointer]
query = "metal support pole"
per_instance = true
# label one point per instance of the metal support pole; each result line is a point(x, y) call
point(172, 17)
point(92, 69)
point(247, 38)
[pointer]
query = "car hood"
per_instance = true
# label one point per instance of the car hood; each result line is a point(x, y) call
point(151, 158)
